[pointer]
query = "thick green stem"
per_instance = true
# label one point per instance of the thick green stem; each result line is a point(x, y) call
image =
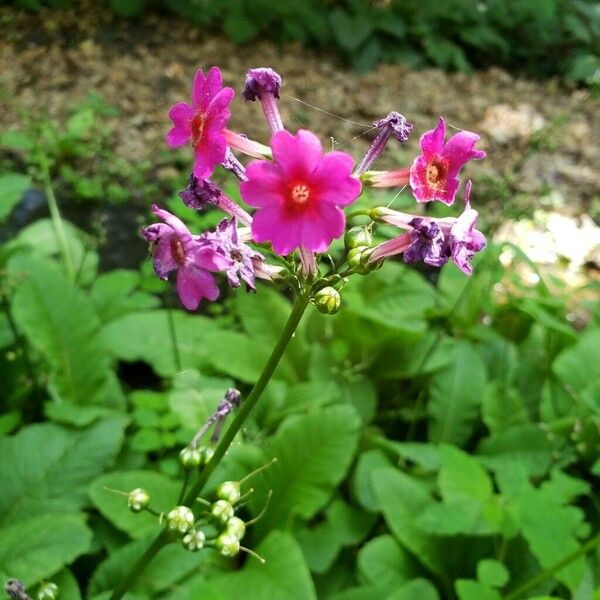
point(245, 409)
point(551, 571)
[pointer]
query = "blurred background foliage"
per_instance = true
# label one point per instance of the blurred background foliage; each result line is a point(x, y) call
point(535, 37)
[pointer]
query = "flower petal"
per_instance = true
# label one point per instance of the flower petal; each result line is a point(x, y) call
point(460, 150)
point(333, 181)
point(162, 259)
point(204, 88)
point(207, 258)
point(297, 155)
point(172, 221)
point(181, 114)
point(322, 227)
point(276, 225)
point(209, 153)
point(193, 284)
point(432, 141)
point(264, 185)
point(217, 112)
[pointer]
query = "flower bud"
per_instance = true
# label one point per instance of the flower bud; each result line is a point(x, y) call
point(190, 458)
point(180, 519)
point(358, 259)
point(230, 491)
point(327, 300)
point(138, 499)
point(357, 236)
point(236, 527)
point(206, 454)
point(47, 591)
point(222, 511)
point(194, 540)
point(227, 544)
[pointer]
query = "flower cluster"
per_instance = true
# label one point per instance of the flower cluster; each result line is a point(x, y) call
point(298, 194)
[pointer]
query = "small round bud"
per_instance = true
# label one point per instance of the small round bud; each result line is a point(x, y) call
point(180, 519)
point(236, 527)
point(230, 491)
point(222, 511)
point(194, 540)
point(190, 458)
point(47, 591)
point(327, 300)
point(358, 259)
point(227, 544)
point(138, 499)
point(357, 236)
point(206, 454)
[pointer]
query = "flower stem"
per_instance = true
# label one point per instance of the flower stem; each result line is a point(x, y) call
point(555, 568)
point(245, 409)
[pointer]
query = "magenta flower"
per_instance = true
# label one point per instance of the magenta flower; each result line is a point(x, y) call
point(203, 121)
point(299, 195)
point(175, 248)
point(434, 173)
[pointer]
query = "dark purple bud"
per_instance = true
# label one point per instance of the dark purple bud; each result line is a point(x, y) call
point(234, 397)
point(200, 193)
point(396, 124)
point(261, 80)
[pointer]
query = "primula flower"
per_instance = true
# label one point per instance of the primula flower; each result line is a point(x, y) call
point(299, 195)
point(175, 248)
point(242, 256)
point(203, 121)
point(434, 174)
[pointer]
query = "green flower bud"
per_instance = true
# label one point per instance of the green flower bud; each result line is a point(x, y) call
point(358, 259)
point(327, 300)
point(180, 519)
point(190, 458)
point(206, 454)
point(356, 237)
point(138, 499)
point(47, 591)
point(227, 544)
point(194, 540)
point(230, 491)
point(236, 527)
point(222, 511)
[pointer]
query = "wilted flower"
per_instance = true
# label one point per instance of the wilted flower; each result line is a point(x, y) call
point(265, 84)
point(300, 194)
point(434, 173)
point(175, 248)
point(203, 121)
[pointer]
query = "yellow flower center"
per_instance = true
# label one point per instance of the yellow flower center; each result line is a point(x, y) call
point(300, 193)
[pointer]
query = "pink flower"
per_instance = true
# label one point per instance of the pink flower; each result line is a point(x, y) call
point(434, 173)
point(299, 195)
point(203, 121)
point(175, 248)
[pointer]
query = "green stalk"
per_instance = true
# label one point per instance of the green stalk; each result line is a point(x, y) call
point(555, 568)
point(57, 219)
point(245, 409)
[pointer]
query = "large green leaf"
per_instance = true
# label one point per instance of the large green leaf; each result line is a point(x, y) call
point(12, 187)
point(37, 547)
point(163, 493)
point(284, 576)
point(61, 324)
point(579, 366)
point(313, 454)
point(503, 407)
point(455, 395)
point(46, 468)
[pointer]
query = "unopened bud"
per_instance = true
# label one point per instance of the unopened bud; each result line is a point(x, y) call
point(194, 540)
point(206, 454)
point(358, 259)
point(327, 300)
point(47, 591)
point(222, 511)
point(138, 500)
point(227, 544)
point(180, 519)
point(230, 491)
point(236, 527)
point(190, 458)
point(357, 236)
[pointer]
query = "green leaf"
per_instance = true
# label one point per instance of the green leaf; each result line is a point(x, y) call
point(12, 188)
point(350, 31)
point(55, 479)
point(313, 454)
point(39, 546)
point(67, 584)
point(401, 499)
point(343, 525)
point(579, 366)
point(60, 323)
point(474, 590)
point(78, 416)
point(419, 588)
point(385, 564)
point(284, 576)
point(362, 484)
point(455, 395)
point(503, 407)
point(163, 493)
point(462, 476)
point(492, 572)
